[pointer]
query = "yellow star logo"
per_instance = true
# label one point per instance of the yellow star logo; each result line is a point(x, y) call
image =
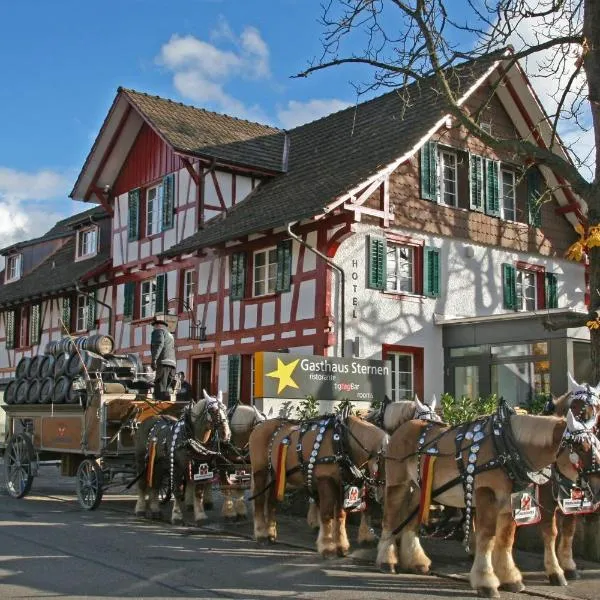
point(284, 374)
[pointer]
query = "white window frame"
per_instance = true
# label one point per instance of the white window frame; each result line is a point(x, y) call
point(154, 210)
point(189, 288)
point(265, 275)
point(400, 270)
point(526, 282)
point(443, 155)
point(87, 242)
point(82, 308)
point(393, 357)
point(14, 267)
point(503, 195)
point(147, 298)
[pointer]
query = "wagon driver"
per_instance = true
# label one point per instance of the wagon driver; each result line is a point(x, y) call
point(162, 348)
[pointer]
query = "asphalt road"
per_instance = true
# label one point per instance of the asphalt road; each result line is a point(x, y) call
point(51, 548)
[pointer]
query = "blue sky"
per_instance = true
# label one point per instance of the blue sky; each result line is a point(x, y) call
point(62, 61)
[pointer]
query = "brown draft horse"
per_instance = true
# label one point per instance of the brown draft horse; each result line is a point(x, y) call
point(180, 447)
point(477, 465)
point(323, 455)
point(584, 401)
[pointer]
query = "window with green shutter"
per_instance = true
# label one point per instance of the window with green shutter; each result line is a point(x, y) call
point(66, 314)
point(431, 272)
point(133, 215)
point(128, 299)
point(91, 311)
point(237, 275)
point(492, 196)
point(35, 328)
point(168, 202)
point(509, 286)
point(233, 379)
point(9, 328)
point(429, 168)
point(551, 290)
point(283, 280)
point(476, 182)
point(377, 263)
point(534, 194)
point(161, 293)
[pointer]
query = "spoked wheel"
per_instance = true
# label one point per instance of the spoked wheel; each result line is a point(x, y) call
point(89, 481)
point(164, 489)
point(19, 465)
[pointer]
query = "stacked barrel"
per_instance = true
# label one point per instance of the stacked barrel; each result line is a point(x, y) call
point(60, 375)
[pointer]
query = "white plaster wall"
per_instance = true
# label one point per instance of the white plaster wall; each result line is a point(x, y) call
point(243, 186)
point(250, 316)
point(268, 314)
point(306, 300)
point(310, 258)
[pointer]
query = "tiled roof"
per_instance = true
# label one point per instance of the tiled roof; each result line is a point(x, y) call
point(61, 228)
point(56, 273)
point(203, 133)
point(330, 156)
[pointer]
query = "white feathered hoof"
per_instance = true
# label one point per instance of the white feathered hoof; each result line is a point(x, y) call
point(177, 521)
point(557, 579)
point(487, 592)
point(387, 568)
point(514, 587)
point(572, 574)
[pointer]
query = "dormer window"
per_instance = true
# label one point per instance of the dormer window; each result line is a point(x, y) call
point(14, 268)
point(87, 242)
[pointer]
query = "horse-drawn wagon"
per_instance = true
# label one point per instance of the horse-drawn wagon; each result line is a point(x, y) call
point(87, 421)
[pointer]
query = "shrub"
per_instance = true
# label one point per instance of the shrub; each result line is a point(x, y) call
point(308, 408)
point(464, 409)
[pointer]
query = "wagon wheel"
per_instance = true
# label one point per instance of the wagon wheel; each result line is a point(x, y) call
point(19, 465)
point(89, 481)
point(164, 489)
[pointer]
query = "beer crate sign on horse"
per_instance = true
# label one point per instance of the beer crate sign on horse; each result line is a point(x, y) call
point(295, 376)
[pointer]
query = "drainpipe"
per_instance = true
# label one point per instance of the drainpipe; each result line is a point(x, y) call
point(108, 308)
point(342, 281)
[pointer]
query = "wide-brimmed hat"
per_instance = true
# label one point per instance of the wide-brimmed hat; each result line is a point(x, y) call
point(166, 319)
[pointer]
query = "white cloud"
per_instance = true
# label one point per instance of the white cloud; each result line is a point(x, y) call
point(21, 217)
point(297, 113)
point(201, 70)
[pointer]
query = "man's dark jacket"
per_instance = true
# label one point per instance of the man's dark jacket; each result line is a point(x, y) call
point(162, 347)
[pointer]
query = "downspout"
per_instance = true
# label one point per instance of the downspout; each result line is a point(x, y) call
point(108, 308)
point(342, 281)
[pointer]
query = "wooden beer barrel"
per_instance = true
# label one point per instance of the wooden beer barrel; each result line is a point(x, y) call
point(46, 366)
point(21, 391)
point(10, 392)
point(33, 392)
point(61, 387)
point(84, 361)
point(52, 348)
point(60, 364)
point(23, 368)
point(34, 366)
point(100, 344)
point(66, 344)
point(46, 390)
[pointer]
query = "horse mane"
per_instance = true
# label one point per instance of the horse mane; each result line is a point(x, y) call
point(397, 413)
point(535, 430)
point(562, 404)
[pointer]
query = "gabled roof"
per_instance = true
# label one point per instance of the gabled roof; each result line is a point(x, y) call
point(330, 156)
point(199, 132)
point(57, 273)
point(63, 228)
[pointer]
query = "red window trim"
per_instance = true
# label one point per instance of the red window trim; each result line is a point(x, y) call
point(540, 281)
point(419, 246)
point(418, 362)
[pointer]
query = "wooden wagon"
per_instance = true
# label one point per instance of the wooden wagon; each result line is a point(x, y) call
point(93, 441)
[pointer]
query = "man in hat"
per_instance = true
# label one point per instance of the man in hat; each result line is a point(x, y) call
point(162, 349)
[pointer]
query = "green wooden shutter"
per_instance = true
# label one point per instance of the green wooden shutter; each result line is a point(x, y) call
point(168, 202)
point(377, 263)
point(9, 327)
point(429, 160)
point(128, 299)
point(233, 379)
point(66, 313)
point(133, 221)
point(476, 182)
point(509, 286)
point(283, 280)
point(160, 303)
point(91, 311)
point(34, 324)
point(492, 196)
point(533, 197)
point(551, 290)
point(237, 275)
point(431, 272)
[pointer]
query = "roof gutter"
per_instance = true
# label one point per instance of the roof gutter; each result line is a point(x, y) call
point(342, 281)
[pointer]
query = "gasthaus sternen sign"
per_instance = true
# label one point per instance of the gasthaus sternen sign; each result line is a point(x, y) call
point(289, 376)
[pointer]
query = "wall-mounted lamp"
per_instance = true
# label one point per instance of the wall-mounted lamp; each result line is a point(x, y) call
point(202, 333)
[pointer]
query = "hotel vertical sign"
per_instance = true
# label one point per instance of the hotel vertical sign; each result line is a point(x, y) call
point(295, 376)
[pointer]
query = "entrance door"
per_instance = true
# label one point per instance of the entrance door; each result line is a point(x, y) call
point(201, 376)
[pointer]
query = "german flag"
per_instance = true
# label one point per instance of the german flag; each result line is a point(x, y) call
point(426, 488)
